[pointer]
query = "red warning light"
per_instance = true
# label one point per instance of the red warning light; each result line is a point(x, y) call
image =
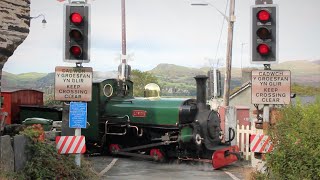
point(76, 18)
point(263, 16)
point(263, 49)
point(76, 51)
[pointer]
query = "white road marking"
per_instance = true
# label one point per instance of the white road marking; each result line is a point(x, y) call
point(231, 175)
point(108, 167)
point(95, 172)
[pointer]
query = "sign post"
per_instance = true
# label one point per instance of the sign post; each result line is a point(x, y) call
point(74, 84)
point(268, 87)
point(78, 120)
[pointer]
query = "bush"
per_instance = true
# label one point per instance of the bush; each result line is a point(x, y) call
point(296, 139)
point(45, 163)
point(305, 90)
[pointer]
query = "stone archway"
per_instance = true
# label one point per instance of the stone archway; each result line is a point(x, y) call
point(14, 26)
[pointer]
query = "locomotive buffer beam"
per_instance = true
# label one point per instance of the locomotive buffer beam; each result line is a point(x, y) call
point(238, 154)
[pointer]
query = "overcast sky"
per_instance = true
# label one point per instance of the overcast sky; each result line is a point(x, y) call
point(165, 31)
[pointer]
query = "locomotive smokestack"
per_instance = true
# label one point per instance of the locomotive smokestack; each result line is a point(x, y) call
point(201, 91)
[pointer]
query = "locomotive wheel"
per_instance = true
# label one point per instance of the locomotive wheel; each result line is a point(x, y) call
point(157, 155)
point(113, 148)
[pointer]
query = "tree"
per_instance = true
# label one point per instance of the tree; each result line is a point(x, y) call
point(140, 80)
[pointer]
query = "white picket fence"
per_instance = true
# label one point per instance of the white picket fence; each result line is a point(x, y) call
point(243, 139)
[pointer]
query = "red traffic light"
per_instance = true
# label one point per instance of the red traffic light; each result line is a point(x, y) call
point(76, 34)
point(76, 51)
point(263, 16)
point(263, 49)
point(76, 18)
point(264, 33)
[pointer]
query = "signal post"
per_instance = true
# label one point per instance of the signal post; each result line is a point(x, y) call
point(264, 38)
point(268, 87)
point(73, 85)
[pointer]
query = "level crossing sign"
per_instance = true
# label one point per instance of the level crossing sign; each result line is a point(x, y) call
point(78, 115)
point(71, 144)
point(73, 83)
point(271, 87)
point(260, 143)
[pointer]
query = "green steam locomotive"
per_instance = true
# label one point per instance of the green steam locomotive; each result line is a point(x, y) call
point(154, 127)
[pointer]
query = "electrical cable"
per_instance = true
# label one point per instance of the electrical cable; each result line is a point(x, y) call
point(225, 11)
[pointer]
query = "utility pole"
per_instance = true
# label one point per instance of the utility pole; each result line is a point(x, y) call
point(227, 79)
point(122, 66)
point(124, 70)
point(123, 24)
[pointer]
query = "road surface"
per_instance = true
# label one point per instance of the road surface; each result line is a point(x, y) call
point(118, 168)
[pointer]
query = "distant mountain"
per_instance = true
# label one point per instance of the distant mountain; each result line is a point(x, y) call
point(30, 76)
point(299, 68)
point(316, 61)
point(174, 79)
point(24, 80)
point(302, 72)
point(175, 70)
point(45, 82)
point(179, 80)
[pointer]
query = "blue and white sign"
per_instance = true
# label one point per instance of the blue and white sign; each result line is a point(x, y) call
point(78, 115)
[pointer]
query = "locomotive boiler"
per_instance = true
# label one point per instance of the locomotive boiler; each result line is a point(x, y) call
point(154, 127)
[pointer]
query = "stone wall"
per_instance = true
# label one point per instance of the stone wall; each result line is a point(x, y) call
point(14, 29)
point(6, 154)
point(13, 156)
point(14, 26)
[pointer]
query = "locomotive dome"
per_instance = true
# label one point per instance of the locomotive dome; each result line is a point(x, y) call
point(152, 90)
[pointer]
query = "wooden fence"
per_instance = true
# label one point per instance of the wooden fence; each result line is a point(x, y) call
point(243, 139)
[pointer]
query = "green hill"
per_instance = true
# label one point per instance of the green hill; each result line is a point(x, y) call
point(24, 80)
point(174, 79)
point(175, 70)
point(177, 80)
point(31, 76)
point(299, 68)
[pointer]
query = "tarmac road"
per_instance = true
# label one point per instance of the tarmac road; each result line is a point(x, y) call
point(117, 168)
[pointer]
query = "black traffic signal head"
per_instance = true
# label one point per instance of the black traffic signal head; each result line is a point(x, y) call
point(76, 33)
point(264, 34)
